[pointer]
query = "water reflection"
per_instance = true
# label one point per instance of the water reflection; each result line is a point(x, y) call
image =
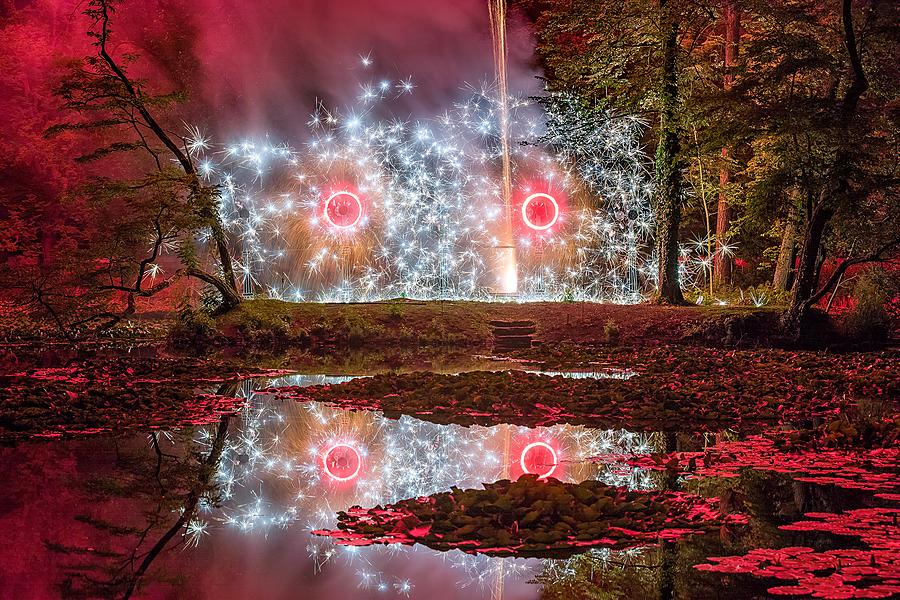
point(607, 374)
point(295, 464)
point(225, 511)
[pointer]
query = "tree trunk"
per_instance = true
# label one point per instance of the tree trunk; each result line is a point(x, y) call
point(668, 569)
point(230, 297)
point(180, 155)
point(786, 253)
point(668, 169)
point(807, 268)
point(721, 262)
point(218, 234)
point(207, 472)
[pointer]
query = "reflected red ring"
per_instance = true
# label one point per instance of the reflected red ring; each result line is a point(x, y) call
point(525, 451)
point(358, 206)
point(337, 477)
point(528, 221)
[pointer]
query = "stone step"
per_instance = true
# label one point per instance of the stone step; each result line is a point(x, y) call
point(512, 341)
point(514, 330)
point(506, 324)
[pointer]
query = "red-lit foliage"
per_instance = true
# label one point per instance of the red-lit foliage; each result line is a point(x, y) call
point(103, 396)
point(831, 574)
point(530, 517)
point(674, 389)
point(855, 467)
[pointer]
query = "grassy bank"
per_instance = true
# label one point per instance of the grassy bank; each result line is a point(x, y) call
point(269, 324)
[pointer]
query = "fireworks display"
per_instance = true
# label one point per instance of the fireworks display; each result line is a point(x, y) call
point(296, 464)
point(374, 207)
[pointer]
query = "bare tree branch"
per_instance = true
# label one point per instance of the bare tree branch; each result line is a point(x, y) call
point(878, 256)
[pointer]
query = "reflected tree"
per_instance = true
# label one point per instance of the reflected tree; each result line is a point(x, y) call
point(178, 480)
point(601, 575)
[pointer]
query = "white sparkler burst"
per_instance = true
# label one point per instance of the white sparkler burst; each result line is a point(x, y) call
point(153, 271)
point(194, 532)
point(433, 205)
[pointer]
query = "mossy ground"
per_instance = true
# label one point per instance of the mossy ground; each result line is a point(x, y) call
point(379, 325)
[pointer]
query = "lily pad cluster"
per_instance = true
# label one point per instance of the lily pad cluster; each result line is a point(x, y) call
point(529, 517)
point(868, 469)
point(102, 395)
point(658, 399)
point(832, 574)
point(844, 433)
point(57, 410)
point(858, 368)
point(129, 370)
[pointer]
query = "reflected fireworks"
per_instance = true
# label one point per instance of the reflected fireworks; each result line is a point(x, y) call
point(539, 458)
point(342, 462)
point(297, 464)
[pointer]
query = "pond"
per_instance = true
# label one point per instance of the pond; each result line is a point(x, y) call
point(228, 509)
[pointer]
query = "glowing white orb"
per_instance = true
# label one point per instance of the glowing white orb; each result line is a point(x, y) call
point(543, 209)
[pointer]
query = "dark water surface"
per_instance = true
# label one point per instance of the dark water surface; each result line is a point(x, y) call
point(99, 516)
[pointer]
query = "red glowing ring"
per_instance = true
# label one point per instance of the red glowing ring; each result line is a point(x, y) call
point(531, 223)
point(530, 447)
point(335, 476)
point(359, 209)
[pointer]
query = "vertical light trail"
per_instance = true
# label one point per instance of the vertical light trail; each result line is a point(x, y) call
point(508, 275)
point(499, 575)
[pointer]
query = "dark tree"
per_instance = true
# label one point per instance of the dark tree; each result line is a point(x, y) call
point(639, 57)
point(731, 18)
point(161, 198)
point(817, 98)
